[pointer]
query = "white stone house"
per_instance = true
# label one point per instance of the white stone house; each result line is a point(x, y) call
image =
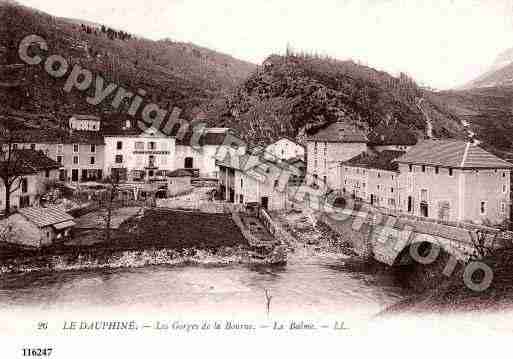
point(285, 149)
point(455, 181)
point(328, 147)
point(142, 155)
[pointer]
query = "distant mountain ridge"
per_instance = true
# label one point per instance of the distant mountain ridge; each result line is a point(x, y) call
point(499, 74)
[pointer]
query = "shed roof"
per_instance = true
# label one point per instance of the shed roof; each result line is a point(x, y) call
point(43, 217)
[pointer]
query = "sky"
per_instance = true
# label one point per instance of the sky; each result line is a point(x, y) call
point(441, 43)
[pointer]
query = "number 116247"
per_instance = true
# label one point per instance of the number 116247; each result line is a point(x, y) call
point(37, 352)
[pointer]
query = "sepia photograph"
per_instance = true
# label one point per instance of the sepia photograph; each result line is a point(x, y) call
point(316, 178)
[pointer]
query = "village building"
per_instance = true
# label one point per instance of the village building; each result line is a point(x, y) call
point(179, 182)
point(328, 147)
point(32, 172)
point(297, 178)
point(85, 123)
point(285, 149)
point(135, 154)
point(251, 180)
point(447, 180)
point(455, 180)
point(373, 177)
point(80, 153)
point(37, 227)
point(199, 150)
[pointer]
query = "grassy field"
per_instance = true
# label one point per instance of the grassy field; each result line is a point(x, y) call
point(155, 229)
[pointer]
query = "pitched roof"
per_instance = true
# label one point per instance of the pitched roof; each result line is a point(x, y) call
point(43, 217)
point(25, 161)
point(293, 140)
point(381, 160)
point(339, 132)
point(114, 125)
point(56, 135)
point(392, 134)
point(452, 153)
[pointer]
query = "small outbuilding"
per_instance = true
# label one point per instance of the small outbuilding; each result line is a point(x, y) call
point(179, 182)
point(37, 227)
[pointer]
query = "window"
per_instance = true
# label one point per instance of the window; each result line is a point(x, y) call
point(241, 198)
point(450, 172)
point(423, 168)
point(437, 169)
point(276, 183)
point(47, 173)
point(424, 195)
point(119, 145)
point(392, 189)
point(33, 146)
point(325, 179)
point(139, 146)
point(92, 160)
point(75, 160)
point(59, 148)
point(76, 148)
point(410, 167)
point(152, 146)
point(93, 148)
point(503, 207)
point(14, 147)
point(241, 183)
point(59, 159)
point(504, 188)
point(24, 185)
point(119, 158)
point(503, 174)
point(482, 207)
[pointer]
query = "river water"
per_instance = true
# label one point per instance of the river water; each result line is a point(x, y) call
point(310, 285)
point(318, 281)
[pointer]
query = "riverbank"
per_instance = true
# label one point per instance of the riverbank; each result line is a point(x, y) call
point(152, 237)
point(446, 295)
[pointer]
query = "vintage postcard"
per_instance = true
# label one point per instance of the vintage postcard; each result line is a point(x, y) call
point(250, 178)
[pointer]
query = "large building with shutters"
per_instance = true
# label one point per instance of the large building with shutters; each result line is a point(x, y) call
point(447, 180)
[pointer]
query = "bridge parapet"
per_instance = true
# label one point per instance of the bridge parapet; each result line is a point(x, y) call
point(385, 237)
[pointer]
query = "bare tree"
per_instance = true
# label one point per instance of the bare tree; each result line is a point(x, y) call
point(483, 242)
point(10, 166)
point(107, 204)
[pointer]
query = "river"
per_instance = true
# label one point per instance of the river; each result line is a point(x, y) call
point(317, 285)
point(318, 281)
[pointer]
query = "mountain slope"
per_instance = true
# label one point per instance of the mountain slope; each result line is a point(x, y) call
point(485, 112)
point(500, 73)
point(295, 94)
point(172, 73)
